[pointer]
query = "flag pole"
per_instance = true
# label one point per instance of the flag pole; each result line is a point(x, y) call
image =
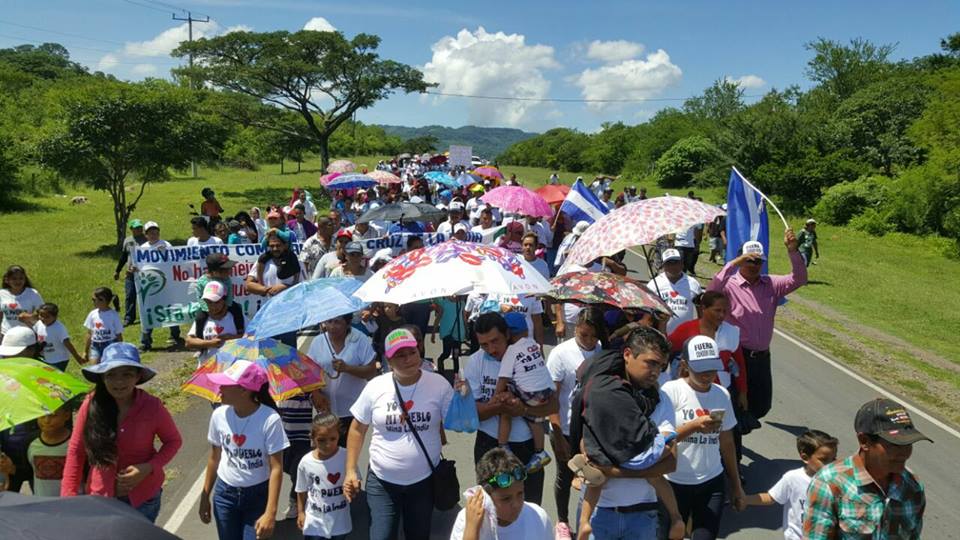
point(764, 197)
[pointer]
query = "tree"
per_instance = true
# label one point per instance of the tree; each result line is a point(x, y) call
point(46, 61)
point(322, 76)
point(720, 101)
point(9, 187)
point(692, 159)
point(420, 145)
point(112, 131)
point(843, 70)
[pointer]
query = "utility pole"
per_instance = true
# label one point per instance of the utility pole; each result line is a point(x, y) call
point(190, 20)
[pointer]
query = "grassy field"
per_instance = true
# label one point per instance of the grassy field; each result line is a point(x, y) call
point(899, 285)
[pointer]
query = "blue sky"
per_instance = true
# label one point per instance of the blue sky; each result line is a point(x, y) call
point(659, 52)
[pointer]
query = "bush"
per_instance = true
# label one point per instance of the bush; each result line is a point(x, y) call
point(873, 222)
point(690, 161)
point(842, 202)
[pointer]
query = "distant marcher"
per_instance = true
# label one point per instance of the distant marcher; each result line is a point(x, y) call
point(753, 306)
point(300, 225)
point(102, 323)
point(807, 240)
point(316, 246)
point(354, 266)
point(210, 207)
point(676, 288)
point(221, 232)
point(220, 322)
point(238, 234)
point(48, 452)
point(276, 270)
point(152, 231)
point(872, 493)
point(201, 233)
point(716, 231)
point(19, 301)
point(57, 347)
point(128, 254)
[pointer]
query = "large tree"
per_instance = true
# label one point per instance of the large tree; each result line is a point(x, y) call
point(844, 69)
point(322, 76)
point(111, 131)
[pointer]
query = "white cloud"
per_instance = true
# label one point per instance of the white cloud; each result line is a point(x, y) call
point(142, 70)
point(320, 25)
point(613, 51)
point(170, 39)
point(108, 61)
point(746, 81)
point(628, 79)
point(493, 64)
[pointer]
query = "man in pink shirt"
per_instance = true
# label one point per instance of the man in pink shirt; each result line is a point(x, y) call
point(753, 305)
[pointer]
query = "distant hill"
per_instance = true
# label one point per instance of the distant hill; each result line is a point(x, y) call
point(488, 143)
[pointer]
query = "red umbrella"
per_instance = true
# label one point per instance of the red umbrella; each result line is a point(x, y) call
point(553, 194)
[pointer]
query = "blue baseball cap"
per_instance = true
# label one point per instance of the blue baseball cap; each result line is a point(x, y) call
point(516, 322)
point(118, 355)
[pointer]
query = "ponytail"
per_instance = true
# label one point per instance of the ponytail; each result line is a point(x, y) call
point(105, 293)
point(263, 397)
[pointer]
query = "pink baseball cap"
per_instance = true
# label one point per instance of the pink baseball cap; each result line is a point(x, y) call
point(241, 373)
point(214, 291)
point(398, 339)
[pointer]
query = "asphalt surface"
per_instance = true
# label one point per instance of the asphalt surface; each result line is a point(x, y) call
point(809, 392)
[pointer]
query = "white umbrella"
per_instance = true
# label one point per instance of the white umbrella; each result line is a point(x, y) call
point(452, 268)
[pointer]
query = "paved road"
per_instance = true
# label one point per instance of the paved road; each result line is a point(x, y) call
point(808, 392)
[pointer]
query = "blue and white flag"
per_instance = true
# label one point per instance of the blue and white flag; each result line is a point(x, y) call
point(746, 217)
point(582, 205)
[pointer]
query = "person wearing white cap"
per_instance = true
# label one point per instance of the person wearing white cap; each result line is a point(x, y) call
point(455, 213)
point(152, 231)
point(753, 306)
point(460, 232)
point(212, 328)
point(676, 288)
point(568, 241)
point(807, 240)
point(705, 420)
point(20, 341)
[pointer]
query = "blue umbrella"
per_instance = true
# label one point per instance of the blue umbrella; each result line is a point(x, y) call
point(441, 178)
point(467, 179)
point(306, 304)
point(351, 181)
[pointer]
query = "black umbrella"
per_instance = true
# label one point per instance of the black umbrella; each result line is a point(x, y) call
point(403, 210)
point(78, 518)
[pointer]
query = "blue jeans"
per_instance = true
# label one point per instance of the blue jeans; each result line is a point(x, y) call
point(236, 510)
point(146, 337)
point(608, 524)
point(129, 300)
point(389, 501)
point(150, 509)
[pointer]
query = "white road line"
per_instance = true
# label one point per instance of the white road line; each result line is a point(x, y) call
point(186, 505)
point(870, 384)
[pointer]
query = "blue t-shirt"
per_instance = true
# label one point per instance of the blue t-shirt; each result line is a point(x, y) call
point(451, 322)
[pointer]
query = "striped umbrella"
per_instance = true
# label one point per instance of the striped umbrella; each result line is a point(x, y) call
point(351, 181)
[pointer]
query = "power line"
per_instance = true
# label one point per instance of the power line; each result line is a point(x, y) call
point(57, 32)
point(564, 100)
point(131, 2)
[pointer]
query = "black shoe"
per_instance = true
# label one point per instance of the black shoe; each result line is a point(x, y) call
point(144, 348)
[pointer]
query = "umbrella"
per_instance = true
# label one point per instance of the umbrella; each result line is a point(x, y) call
point(384, 177)
point(351, 181)
point(452, 268)
point(605, 288)
point(438, 177)
point(327, 178)
point(553, 194)
point(519, 200)
point(476, 188)
point(88, 517)
point(639, 223)
point(403, 156)
point(488, 171)
point(466, 179)
point(289, 373)
point(403, 210)
point(32, 389)
point(306, 304)
point(341, 166)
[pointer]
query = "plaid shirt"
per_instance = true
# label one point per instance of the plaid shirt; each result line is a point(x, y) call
point(844, 502)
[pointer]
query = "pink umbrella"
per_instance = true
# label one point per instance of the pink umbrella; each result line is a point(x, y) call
point(488, 171)
point(327, 178)
point(638, 224)
point(384, 177)
point(341, 166)
point(519, 200)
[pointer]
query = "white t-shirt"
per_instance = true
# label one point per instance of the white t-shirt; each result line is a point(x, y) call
point(270, 275)
point(523, 362)
point(104, 325)
point(12, 305)
point(344, 390)
point(685, 239)
point(630, 491)
point(446, 228)
point(246, 444)
point(791, 492)
point(338, 272)
point(212, 329)
point(533, 523)
point(562, 362)
point(52, 338)
point(480, 371)
point(541, 266)
point(679, 296)
point(395, 455)
point(698, 456)
point(529, 305)
point(544, 234)
point(326, 264)
point(211, 241)
point(327, 510)
point(728, 339)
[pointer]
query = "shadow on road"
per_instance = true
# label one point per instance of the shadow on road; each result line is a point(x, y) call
point(760, 475)
point(796, 431)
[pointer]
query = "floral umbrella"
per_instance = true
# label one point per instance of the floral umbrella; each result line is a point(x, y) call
point(32, 389)
point(519, 200)
point(605, 288)
point(341, 166)
point(638, 224)
point(384, 177)
point(327, 178)
point(488, 171)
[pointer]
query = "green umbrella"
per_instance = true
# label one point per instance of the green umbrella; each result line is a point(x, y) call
point(32, 389)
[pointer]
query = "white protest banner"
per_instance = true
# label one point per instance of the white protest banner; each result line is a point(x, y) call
point(398, 241)
point(460, 156)
point(166, 281)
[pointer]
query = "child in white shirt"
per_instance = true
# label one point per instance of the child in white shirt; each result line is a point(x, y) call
point(323, 511)
point(816, 449)
point(103, 324)
point(57, 347)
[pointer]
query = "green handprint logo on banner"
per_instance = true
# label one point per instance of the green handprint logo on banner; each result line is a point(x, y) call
point(151, 283)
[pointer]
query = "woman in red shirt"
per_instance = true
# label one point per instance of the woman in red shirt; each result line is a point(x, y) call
point(114, 433)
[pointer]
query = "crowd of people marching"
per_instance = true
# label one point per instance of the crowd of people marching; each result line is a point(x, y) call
point(645, 413)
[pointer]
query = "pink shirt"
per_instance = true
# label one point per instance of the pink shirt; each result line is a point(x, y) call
point(753, 306)
point(146, 420)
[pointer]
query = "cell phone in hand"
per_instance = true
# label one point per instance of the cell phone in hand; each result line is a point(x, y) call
point(717, 414)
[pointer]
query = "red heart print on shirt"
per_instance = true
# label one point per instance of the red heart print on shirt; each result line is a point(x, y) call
point(98, 325)
point(407, 405)
point(218, 329)
point(702, 412)
point(333, 477)
point(239, 439)
point(12, 306)
point(674, 294)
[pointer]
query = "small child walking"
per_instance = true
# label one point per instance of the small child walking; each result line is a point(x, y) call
point(57, 347)
point(47, 453)
point(323, 512)
point(816, 449)
point(103, 324)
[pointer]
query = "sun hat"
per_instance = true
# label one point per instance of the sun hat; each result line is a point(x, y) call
point(214, 291)
point(400, 338)
point(118, 355)
point(753, 248)
point(888, 420)
point(150, 225)
point(135, 224)
point(671, 255)
point(516, 322)
point(702, 354)
point(242, 373)
point(16, 340)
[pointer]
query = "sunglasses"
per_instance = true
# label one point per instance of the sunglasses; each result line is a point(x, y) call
point(756, 262)
point(506, 479)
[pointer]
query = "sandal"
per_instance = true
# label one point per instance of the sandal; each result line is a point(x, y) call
point(582, 468)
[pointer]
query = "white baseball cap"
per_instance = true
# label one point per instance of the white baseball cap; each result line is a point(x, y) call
point(581, 227)
point(150, 225)
point(753, 248)
point(702, 354)
point(214, 291)
point(456, 206)
point(416, 199)
point(16, 340)
point(671, 255)
point(459, 227)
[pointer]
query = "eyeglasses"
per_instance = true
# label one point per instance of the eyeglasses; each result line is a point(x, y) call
point(506, 479)
point(756, 262)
